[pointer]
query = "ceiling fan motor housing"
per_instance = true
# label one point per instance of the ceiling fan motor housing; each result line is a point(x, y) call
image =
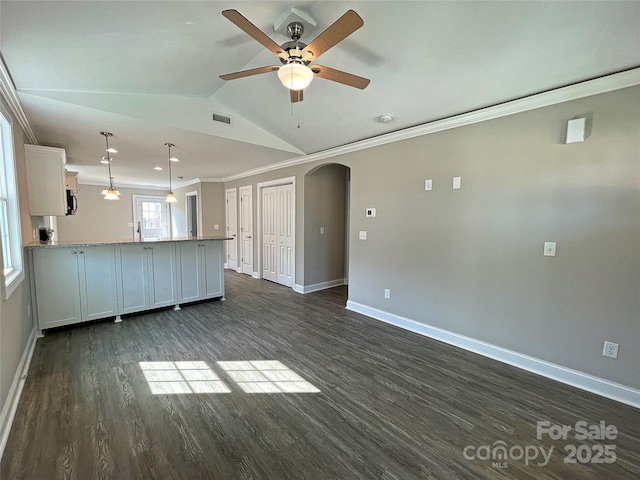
point(294, 47)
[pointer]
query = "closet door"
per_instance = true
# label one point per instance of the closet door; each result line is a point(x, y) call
point(284, 234)
point(269, 233)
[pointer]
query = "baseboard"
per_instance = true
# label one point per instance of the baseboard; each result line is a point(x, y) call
point(256, 275)
point(319, 286)
point(575, 378)
point(239, 270)
point(11, 405)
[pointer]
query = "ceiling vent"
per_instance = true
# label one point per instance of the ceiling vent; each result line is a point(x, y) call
point(216, 117)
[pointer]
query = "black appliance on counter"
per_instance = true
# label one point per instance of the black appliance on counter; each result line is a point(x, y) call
point(72, 203)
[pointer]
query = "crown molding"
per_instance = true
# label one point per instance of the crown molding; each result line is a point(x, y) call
point(587, 88)
point(124, 185)
point(10, 95)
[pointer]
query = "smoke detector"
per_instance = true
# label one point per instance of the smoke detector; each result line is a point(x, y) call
point(385, 118)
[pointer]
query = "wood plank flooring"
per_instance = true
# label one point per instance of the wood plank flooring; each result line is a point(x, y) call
point(392, 404)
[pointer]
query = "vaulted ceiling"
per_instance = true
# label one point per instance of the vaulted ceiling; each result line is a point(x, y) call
point(149, 73)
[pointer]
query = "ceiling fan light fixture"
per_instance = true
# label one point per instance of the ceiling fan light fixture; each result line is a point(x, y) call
point(295, 76)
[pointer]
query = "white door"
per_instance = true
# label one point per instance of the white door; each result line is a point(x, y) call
point(151, 215)
point(284, 221)
point(232, 229)
point(277, 234)
point(269, 233)
point(246, 229)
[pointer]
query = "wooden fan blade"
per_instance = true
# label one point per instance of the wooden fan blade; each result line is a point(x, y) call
point(340, 77)
point(335, 33)
point(296, 96)
point(248, 73)
point(250, 29)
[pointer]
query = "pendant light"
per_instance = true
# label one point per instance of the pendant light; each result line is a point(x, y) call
point(110, 193)
point(171, 198)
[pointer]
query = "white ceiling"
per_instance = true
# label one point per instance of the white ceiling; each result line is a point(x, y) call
point(148, 72)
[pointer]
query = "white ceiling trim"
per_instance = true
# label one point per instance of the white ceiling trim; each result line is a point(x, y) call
point(9, 93)
point(616, 81)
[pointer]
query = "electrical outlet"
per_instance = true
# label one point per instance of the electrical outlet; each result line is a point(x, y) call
point(362, 235)
point(428, 185)
point(28, 311)
point(321, 230)
point(610, 350)
point(387, 293)
point(216, 227)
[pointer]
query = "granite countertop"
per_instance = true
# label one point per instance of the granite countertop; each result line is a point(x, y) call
point(94, 243)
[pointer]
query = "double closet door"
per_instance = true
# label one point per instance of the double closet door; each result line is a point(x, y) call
point(277, 234)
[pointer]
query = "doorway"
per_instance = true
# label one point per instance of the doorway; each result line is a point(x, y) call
point(151, 217)
point(232, 229)
point(277, 230)
point(191, 200)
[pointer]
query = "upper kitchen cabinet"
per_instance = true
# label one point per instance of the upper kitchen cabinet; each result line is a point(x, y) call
point(46, 180)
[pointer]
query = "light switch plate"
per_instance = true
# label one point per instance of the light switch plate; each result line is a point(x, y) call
point(129, 224)
point(456, 182)
point(549, 249)
point(363, 235)
point(321, 230)
point(428, 185)
point(216, 227)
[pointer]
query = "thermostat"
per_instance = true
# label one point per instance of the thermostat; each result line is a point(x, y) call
point(371, 212)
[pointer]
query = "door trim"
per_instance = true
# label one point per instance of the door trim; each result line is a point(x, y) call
point(276, 183)
point(194, 193)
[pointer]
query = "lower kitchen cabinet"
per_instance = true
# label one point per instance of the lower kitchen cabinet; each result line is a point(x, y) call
point(200, 273)
point(146, 276)
point(78, 283)
point(74, 284)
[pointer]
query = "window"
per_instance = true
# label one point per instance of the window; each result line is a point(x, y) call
point(12, 269)
point(152, 215)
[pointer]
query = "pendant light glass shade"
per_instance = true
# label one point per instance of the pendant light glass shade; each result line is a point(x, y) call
point(112, 195)
point(110, 192)
point(295, 76)
point(171, 198)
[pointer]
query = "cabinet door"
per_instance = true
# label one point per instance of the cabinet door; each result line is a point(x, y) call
point(132, 283)
point(57, 286)
point(189, 276)
point(162, 276)
point(213, 269)
point(46, 180)
point(97, 267)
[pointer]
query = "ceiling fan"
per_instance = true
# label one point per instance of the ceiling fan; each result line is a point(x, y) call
point(295, 56)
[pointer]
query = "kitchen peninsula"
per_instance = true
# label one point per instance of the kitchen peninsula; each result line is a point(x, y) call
point(76, 282)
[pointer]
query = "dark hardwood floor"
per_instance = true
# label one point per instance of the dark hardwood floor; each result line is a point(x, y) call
point(391, 404)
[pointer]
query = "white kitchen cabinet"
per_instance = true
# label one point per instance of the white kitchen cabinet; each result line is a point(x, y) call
point(46, 180)
point(200, 270)
point(146, 276)
point(74, 284)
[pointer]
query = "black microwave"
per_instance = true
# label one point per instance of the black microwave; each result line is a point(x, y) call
point(72, 203)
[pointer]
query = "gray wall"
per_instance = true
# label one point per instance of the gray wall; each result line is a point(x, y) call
point(15, 322)
point(212, 205)
point(98, 219)
point(470, 260)
point(325, 206)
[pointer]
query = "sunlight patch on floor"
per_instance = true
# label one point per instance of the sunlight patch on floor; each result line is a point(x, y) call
point(165, 378)
point(266, 376)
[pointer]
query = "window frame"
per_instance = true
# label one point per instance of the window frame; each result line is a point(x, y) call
point(14, 276)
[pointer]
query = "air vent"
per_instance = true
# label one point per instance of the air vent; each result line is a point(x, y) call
point(216, 117)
